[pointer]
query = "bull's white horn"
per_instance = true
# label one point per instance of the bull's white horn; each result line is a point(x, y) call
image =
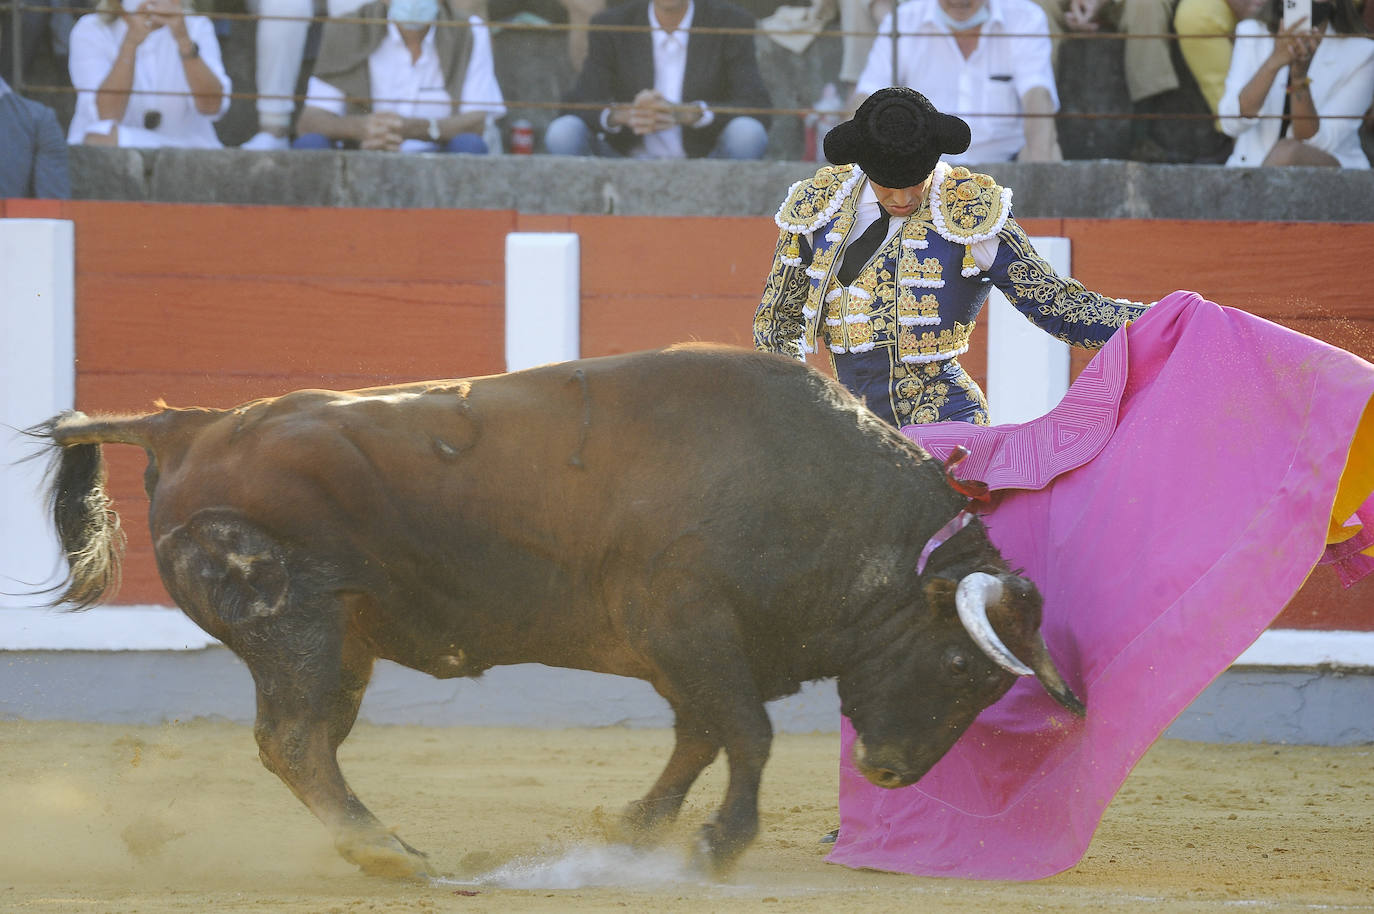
point(971, 600)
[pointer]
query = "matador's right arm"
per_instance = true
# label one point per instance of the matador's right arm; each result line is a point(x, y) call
point(779, 322)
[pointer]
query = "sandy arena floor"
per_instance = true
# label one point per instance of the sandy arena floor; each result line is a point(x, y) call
point(183, 818)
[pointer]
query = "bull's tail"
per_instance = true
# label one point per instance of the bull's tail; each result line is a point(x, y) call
point(87, 525)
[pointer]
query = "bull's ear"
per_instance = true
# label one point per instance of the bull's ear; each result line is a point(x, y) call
point(940, 594)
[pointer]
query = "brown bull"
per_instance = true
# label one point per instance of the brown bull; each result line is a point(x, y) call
point(723, 524)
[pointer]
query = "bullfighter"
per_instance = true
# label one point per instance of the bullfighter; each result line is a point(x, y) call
point(887, 255)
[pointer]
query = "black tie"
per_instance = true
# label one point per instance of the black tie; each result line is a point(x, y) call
point(861, 249)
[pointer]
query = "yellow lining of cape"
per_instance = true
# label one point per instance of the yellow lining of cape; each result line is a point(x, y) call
point(1357, 481)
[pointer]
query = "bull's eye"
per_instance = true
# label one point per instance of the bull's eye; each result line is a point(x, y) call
point(958, 663)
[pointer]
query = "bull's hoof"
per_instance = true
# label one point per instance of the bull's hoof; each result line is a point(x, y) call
point(642, 823)
point(711, 858)
point(387, 856)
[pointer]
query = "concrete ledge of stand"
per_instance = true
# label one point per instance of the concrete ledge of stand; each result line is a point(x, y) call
point(552, 184)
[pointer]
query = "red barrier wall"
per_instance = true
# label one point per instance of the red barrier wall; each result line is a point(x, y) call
point(212, 305)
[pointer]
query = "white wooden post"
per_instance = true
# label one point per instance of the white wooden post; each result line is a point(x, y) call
point(37, 381)
point(543, 298)
point(1028, 370)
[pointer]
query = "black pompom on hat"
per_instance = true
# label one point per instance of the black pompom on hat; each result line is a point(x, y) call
point(896, 137)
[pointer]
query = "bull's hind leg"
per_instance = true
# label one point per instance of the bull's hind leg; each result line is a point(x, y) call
point(289, 625)
point(310, 685)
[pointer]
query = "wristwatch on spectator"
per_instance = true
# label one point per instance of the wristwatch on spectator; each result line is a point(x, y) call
point(434, 130)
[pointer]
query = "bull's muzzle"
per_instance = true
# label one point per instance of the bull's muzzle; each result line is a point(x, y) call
point(889, 770)
point(975, 594)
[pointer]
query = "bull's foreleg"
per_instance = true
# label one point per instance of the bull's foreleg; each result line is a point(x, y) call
point(721, 705)
point(308, 699)
point(748, 736)
point(695, 748)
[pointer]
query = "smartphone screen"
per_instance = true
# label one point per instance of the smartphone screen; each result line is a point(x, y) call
point(1295, 10)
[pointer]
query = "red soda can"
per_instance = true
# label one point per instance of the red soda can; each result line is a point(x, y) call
point(522, 137)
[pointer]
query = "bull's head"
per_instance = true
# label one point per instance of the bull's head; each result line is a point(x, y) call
point(947, 660)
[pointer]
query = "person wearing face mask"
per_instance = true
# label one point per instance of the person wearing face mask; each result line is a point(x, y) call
point(148, 76)
point(412, 76)
point(887, 256)
point(988, 60)
point(1296, 96)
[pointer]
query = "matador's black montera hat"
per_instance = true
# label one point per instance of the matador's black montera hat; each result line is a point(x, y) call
point(896, 137)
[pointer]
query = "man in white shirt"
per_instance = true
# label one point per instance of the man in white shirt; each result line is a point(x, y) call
point(282, 29)
point(410, 80)
point(654, 92)
point(147, 76)
point(987, 61)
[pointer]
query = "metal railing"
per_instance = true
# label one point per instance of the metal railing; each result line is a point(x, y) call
point(14, 12)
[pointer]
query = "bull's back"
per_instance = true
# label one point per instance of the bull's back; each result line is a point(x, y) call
point(515, 509)
point(622, 453)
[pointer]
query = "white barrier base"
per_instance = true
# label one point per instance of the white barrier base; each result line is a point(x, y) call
point(37, 381)
point(161, 628)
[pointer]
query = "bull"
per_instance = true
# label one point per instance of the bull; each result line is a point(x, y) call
point(726, 525)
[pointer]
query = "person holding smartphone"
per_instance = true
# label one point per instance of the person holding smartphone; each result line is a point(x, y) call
point(148, 75)
point(1296, 93)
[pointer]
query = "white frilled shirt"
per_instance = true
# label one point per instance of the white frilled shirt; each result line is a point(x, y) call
point(985, 89)
point(159, 84)
point(416, 89)
point(867, 211)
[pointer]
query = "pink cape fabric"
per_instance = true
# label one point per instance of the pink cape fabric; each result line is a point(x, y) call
point(1167, 509)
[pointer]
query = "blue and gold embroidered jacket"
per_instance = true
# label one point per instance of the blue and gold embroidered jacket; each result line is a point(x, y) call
point(922, 291)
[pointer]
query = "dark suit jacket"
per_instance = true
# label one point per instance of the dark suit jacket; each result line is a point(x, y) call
point(721, 69)
point(33, 151)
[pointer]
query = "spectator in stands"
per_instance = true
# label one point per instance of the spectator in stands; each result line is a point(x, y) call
point(859, 22)
point(280, 48)
point(150, 76)
point(993, 70)
point(33, 152)
point(1296, 96)
point(1151, 79)
point(576, 14)
point(36, 22)
point(418, 78)
point(648, 96)
point(1206, 30)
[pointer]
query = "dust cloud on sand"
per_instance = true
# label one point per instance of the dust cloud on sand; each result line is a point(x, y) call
point(183, 818)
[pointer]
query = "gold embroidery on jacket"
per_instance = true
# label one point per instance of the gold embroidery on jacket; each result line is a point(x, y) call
point(912, 310)
point(929, 346)
point(971, 206)
point(778, 326)
point(1063, 298)
point(920, 392)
